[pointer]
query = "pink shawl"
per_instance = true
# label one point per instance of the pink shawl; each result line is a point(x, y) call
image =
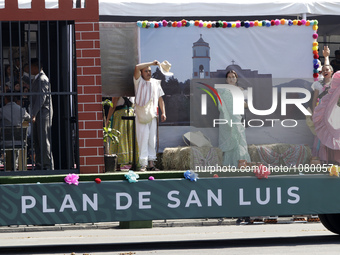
point(326, 116)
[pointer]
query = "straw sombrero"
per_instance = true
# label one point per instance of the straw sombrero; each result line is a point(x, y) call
point(165, 68)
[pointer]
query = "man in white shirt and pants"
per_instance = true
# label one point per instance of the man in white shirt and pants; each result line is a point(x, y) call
point(146, 89)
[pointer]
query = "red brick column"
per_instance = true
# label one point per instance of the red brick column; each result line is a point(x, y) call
point(90, 114)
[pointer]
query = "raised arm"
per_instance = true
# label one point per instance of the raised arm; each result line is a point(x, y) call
point(326, 52)
point(141, 66)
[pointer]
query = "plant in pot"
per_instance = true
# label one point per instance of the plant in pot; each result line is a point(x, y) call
point(110, 135)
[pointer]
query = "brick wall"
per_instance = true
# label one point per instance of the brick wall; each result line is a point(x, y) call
point(90, 113)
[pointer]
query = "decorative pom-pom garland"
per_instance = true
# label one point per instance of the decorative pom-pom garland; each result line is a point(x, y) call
point(240, 24)
point(225, 24)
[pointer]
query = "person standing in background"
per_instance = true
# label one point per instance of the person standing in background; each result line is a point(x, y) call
point(42, 114)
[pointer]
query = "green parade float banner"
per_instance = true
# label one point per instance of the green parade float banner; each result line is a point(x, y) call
point(56, 203)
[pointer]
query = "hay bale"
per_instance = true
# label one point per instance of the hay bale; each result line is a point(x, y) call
point(182, 158)
point(279, 148)
point(177, 158)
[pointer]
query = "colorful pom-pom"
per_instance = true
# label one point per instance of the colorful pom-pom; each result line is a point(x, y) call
point(256, 23)
point(225, 24)
point(215, 175)
point(299, 23)
point(209, 25)
point(233, 24)
point(316, 56)
point(229, 24)
point(315, 27)
point(98, 180)
point(295, 22)
point(139, 23)
point(191, 175)
point(316, 22)
point(315, 70)
point(282, 21)
point(261, 172)
point(307, 23)
point(246, 24)
point(303, 21)
point(315, 75)
point(152, 25)
point(165, 23)
point(131, 176)
point(268, 23)
point(72, 179)
point(315, 61)
point(197, 23)
point(174, 24)
point(315, 52)
point(179, 23)
point(277, 22)
point(315, 36)
point(238, 24)
point(272, 22)
point(290, 23)
point(315, 48)
point(151, 178)
point(200, 24)
point(192, 23)
point(184, 22)
point(169, 24)
point(251, 23)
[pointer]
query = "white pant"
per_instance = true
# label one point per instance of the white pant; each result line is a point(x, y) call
point(146, 138)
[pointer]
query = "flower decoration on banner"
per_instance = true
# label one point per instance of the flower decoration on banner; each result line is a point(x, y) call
point(334, 170)
point(239, 24)
point(131, 176)
point(98, 180)
point(72, 179)
point(191, 175)
point(261, 172)
point(151, 178)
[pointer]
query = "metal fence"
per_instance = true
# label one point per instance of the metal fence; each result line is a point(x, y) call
point(39, 124)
